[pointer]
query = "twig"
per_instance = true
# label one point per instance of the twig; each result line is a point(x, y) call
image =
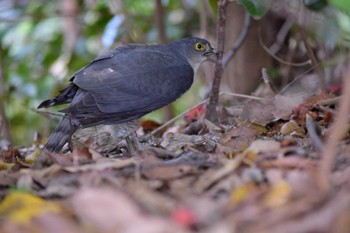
point(240, 95)
point(337, 131)
point(160, 22)
point(330, 101)
point(311, 55)
point(169, 122)
point(298, 77)
point(312, 127)
point(230, 166)
point(211, 111)
point(309, 50)
point(281, 36)
point(266, 78)
point(308, 62)
point(239, 41)
point(4, 122)
point(168, 111)
point(200, 103)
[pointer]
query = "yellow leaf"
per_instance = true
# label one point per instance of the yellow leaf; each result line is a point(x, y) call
point(241, 192)
point(33, 156)
point(292, 128)
point(278, 195)
point(5, 166)
point(21, 207)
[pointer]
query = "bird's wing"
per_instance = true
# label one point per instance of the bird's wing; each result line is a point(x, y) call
point(130, 82)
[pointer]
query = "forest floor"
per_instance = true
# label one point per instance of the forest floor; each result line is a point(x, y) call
point(261, 172)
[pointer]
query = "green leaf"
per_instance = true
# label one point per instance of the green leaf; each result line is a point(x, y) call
point(256, 8)
point(214, 6)
point(315, 5)
point(342, 5)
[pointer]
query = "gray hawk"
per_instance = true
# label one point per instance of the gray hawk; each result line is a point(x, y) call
point(126, 83)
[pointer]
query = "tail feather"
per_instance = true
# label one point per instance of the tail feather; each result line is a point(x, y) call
point(65, 96)
point(60, 135)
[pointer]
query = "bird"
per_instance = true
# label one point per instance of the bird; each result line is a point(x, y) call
point(124, 84)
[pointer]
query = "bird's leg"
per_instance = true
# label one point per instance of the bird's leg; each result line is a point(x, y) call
point(133, 145)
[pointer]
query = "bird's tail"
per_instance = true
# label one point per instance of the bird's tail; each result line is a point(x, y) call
point(60, 135)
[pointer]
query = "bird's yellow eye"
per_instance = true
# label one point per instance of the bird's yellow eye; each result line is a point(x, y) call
point(199, 46)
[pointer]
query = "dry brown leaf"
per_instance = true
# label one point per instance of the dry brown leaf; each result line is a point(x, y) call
point(239, 138)
point(259, 111)
point(271, 109)
point(285, 104)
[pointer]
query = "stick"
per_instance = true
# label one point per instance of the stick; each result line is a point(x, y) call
point(337, 131)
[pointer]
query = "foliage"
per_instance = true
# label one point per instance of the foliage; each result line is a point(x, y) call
point(256, 8)
point(331, 24)
point(342, 5)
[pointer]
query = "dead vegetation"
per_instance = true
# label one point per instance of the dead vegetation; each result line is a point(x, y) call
point(256, 171)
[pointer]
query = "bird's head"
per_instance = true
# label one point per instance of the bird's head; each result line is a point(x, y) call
point(195, 50)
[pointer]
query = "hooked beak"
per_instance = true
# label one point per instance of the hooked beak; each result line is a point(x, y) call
point(212, 54)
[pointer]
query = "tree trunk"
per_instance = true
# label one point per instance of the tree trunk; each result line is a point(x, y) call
point(243, 72)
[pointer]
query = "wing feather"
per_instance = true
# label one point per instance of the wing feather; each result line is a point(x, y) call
point(129, 83)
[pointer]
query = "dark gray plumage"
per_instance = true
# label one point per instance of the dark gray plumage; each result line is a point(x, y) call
point(126, 83)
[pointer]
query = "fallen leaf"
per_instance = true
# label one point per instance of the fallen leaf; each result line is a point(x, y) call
point(240, 193)
point(292, 128)
point(278, 195)
point(260, 146)
point(271, 109)
point(5, 166)
point(21, 207)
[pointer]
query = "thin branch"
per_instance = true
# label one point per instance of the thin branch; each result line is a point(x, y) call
point(240, 95)
point(169, 122)
point(168, 111)
point(239, 41)
point(211, 111)
point(312, 129)
point(298, 77)
point(311, 54)
point(4, 122)
point(329, 101)
point(281, 36)
point(160, 22)
point(337, 132)
point(308, 62)
point(166, 124)
point(308, 47)
point(266, 78)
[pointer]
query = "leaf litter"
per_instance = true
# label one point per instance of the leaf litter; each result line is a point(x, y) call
point(253, 172)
